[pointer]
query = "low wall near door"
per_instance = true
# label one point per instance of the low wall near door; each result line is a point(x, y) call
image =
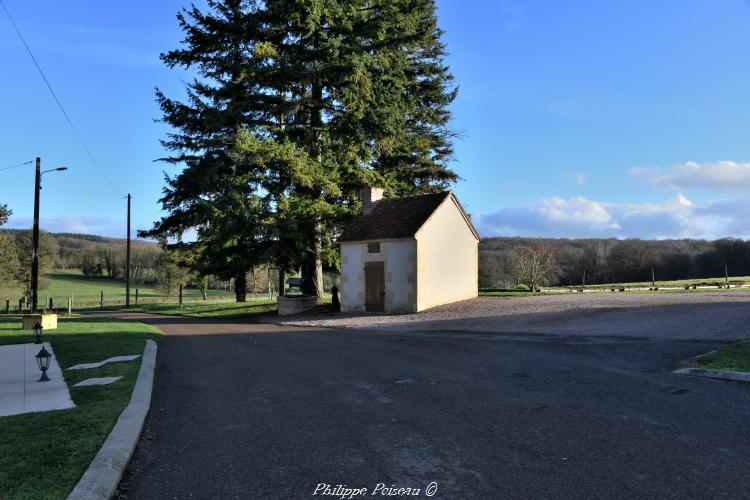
point(295, 304)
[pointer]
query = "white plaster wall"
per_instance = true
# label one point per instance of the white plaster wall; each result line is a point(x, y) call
point(399, 258)
point(352, 278)
point(448, 258)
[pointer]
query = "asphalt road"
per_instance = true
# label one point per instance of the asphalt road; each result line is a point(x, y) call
point(257, 411)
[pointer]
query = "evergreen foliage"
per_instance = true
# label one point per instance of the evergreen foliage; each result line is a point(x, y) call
point(297, 105)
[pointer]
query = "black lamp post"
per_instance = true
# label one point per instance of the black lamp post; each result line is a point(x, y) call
point(42, 359)
point(38, 333)
point(35, 233)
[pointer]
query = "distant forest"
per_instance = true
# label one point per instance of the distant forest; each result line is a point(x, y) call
point(617, 261)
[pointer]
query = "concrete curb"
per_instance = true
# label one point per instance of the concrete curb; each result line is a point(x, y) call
point(104, 473)
point(718, 374)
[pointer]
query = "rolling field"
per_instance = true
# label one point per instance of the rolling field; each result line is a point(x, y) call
point(86, 291)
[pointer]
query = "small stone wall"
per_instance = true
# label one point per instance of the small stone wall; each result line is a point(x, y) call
point(48, 321)
point(295, 304)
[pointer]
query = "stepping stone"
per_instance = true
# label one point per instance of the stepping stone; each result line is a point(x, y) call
point(113, 359)
point(97, 381)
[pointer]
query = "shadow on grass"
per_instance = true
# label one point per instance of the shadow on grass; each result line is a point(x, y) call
point(735, 357)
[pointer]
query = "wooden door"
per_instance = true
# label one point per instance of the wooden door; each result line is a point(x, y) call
point(374, 286)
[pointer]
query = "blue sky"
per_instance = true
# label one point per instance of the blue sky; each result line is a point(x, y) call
point(623, 118)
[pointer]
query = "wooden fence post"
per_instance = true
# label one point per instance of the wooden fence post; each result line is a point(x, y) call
point(180, 294)
point(136, 296)
point(51, 304)
point(7, 305)
point(101, 298)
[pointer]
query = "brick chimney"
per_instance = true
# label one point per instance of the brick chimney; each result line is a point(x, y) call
point(370, 198)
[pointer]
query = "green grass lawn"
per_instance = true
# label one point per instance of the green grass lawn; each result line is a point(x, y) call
point(44, 454)
point(215, 309)
point(509, 293)
point(671, 283)
point(735, 357)
point(209, 309)
point(86, 290)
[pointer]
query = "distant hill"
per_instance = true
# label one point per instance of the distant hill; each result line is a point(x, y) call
point(98, 255)
point(71, 238)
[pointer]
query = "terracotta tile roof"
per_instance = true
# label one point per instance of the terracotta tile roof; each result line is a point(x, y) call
point(394, 218)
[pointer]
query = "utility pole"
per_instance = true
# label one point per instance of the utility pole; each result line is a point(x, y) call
point(35, 238)
point(35, 234)
point(127, 260)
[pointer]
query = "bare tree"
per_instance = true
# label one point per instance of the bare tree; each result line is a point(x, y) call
point(169, 273)
point(533, 262)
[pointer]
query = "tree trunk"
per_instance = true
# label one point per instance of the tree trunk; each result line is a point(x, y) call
point(318, 261)
point(240, 287)
point(312, 268)
point(282, 278)
point(308, 274)
point(314, 281)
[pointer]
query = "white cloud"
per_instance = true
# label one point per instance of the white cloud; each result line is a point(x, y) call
point(720, 176)
point(579, 217)
point(577, 211)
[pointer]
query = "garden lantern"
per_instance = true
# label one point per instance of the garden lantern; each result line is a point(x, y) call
point(42, 359)
point(38, 333)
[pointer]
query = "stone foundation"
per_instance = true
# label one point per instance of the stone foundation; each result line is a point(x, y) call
point(295, 304)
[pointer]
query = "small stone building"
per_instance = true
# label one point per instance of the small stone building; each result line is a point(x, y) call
point(408, 254)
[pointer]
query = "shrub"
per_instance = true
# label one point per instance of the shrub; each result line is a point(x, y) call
point(522, 288)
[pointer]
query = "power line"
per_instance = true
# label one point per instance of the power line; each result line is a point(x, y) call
point(59, 104)
point(20, 164)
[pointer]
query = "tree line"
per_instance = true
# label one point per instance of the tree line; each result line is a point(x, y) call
point(600, 261)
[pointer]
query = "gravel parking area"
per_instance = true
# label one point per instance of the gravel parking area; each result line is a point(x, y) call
point(669, 316)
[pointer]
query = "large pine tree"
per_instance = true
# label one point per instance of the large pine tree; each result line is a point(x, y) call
point(299, 104)
point(217, 192)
